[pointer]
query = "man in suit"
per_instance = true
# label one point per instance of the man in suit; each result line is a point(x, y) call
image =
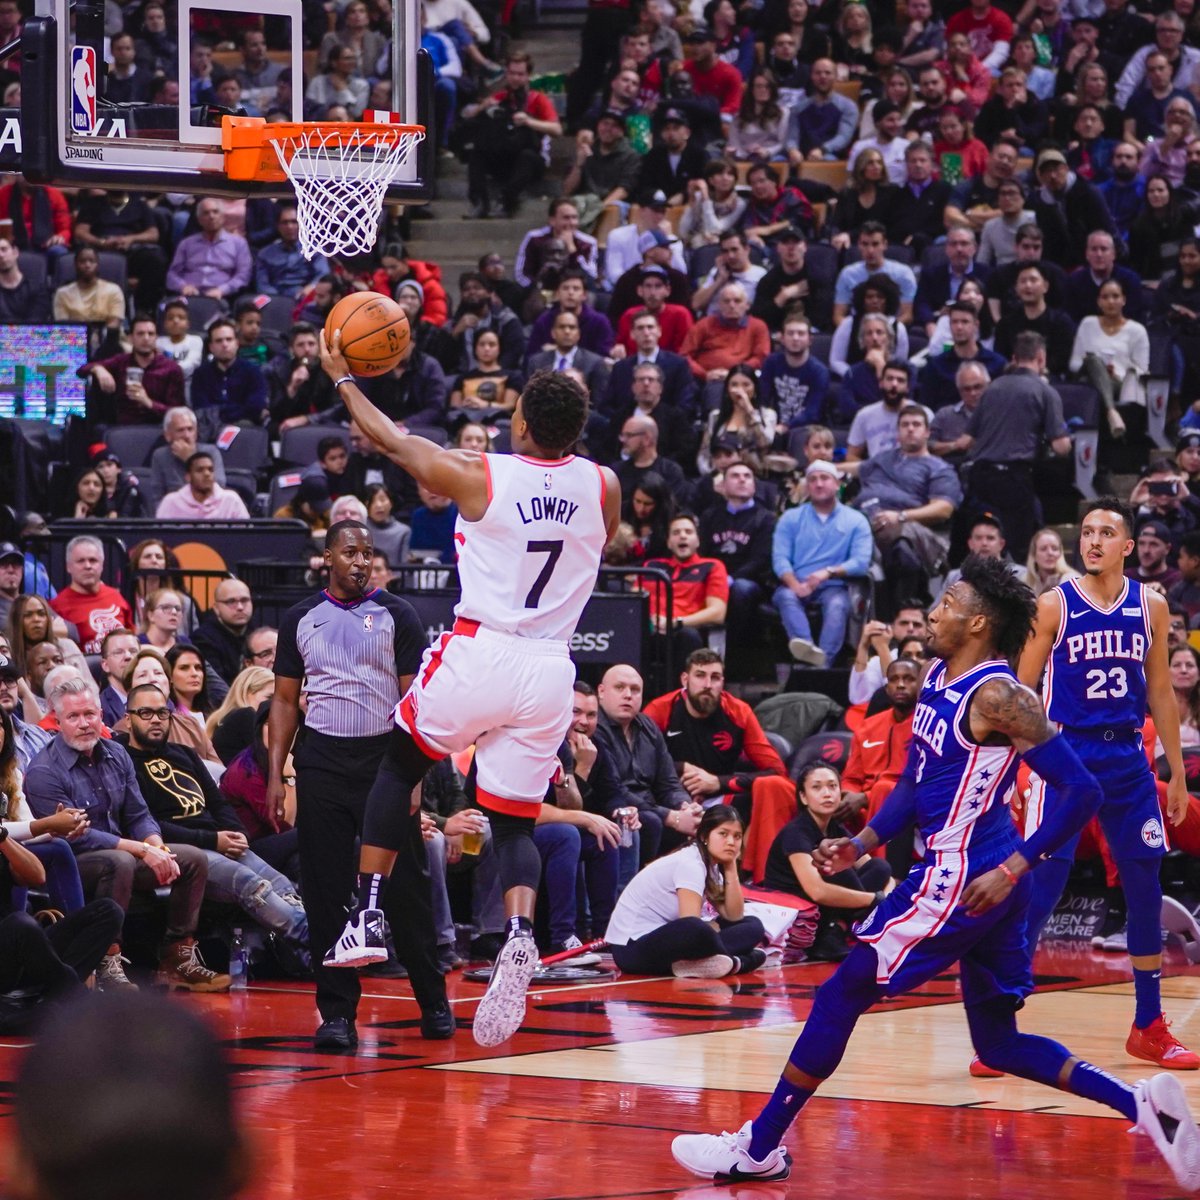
point(676, 432)
point(939, 284)
point(678, 386)
point(657, 173)
point(917, 214)
point(568, 354)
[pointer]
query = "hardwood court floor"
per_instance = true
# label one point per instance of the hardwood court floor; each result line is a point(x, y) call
point(582, 1104)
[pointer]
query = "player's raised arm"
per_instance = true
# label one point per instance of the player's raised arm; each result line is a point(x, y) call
point(1041, 641)
point(1160, 696)
point(459, 474)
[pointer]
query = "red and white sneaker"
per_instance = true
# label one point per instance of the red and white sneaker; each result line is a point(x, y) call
point(1157, 1044)
point(980, 1070)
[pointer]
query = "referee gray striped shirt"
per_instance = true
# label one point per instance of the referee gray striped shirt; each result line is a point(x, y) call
point(351, 655)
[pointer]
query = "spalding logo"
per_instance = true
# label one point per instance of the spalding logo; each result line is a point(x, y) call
point(1152, 833)
point(597, 642)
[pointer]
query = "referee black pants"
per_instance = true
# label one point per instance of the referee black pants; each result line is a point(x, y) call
point(1006, 489)
point(333, 777)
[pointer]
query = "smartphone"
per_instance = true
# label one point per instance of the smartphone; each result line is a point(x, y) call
point(1163, 487)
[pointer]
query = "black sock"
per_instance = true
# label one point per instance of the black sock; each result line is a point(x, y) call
point(370, 890)
point(519, 925)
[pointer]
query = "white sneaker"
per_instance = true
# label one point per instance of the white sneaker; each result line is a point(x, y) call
point(111, 977)
point(361, 943)
point(502, 1008)
point(1164, 1117)
point(1117, 943)
point(588, 959)
point(715, 966)
point(726, 1157)
point(802, 650)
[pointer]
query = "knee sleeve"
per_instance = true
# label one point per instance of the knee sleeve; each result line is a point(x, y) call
point(386, 821)
point(517, 860)
point(1143, 903)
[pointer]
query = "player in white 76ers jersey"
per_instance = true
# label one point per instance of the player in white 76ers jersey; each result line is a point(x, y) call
point(532, 527)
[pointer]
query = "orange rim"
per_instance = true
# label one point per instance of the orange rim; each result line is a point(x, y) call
point(249, 143)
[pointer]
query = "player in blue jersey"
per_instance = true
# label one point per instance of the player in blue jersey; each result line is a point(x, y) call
point(1099, 651)
point(966, 901)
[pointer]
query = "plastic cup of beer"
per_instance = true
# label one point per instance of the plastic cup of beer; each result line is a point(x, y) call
point(473, 839)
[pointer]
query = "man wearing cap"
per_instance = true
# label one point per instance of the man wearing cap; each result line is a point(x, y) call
point(711, 76)
point(1187, 460)
point(888, 139)
point(1084, 283)
point(673, 320)
point(672, 162)
point(788, 285)
point(595, 332)
point(1067, 209)
point(1017, 413)
point(985, 539)
point(822, 124)
point(645, 334)
point(201, 498)
point(564, 225)
point(815, 549)
point(625, 294)
point(649, 230)
point(12, 578)
point(1153, 556)
point(604, 174)
point(733, 265)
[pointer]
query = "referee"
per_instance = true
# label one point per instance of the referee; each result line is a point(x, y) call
point(358, 647)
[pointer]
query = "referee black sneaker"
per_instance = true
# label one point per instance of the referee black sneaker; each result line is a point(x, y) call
point(361, 943)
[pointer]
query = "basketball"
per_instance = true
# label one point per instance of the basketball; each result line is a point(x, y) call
point(375, 332)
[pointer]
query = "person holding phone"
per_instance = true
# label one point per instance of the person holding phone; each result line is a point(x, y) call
point(1162, 494)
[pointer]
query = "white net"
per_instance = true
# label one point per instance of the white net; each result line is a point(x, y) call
point(341, 176)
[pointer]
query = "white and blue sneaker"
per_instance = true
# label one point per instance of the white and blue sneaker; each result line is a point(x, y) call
point(725, 1157)
point(502, 1008)
point(362, 943)
point(1164, 1117)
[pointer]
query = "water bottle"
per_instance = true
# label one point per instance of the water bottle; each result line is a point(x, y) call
point(239, 962)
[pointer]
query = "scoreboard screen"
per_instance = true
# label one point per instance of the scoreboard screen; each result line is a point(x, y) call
point(37, 372)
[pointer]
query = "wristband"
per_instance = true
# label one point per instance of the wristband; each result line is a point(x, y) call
point(337, 383)
point(1008, 874)
point(857, 843)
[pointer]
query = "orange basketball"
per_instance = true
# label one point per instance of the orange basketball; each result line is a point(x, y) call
point(375, 332)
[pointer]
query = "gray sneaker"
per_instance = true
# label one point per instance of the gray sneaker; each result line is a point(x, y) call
point(111, 977)
point(803, 651)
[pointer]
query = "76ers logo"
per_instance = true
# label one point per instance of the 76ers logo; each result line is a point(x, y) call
point(368, 623)
point(1152, 833)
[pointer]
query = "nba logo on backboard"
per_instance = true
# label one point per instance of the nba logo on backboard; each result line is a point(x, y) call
point(83, 89)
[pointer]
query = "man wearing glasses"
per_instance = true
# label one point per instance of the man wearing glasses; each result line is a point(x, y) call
point(260, 647)
point(221, 634)
point(190, 809)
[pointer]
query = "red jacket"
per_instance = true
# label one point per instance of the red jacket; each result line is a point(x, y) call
point(436, 309)
point(675, 321)
point(878, 751)
point(60, 212)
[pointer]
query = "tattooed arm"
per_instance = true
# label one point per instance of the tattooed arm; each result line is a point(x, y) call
point(1009, 708)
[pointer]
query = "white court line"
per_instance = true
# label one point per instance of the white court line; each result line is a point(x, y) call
point(533, 994)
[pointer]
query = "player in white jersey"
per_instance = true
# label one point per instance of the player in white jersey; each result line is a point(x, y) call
point(531, 531)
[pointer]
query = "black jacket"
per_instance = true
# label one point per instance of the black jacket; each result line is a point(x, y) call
point(741, 540)
point(656, 174)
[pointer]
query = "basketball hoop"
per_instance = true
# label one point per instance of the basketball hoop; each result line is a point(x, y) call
point(340, 170)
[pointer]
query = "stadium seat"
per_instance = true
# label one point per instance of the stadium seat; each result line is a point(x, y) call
point(246, 485)
point(113, 267)
point(832, 747)
point(283, 488)
point(244, 448)
point(277, 315)
point(33, 266)
point(1082, 401)
point(299, 446)
point(821, 262)
point(133, 444)
point(833, 173)
point(821, 343)
point(202, 311)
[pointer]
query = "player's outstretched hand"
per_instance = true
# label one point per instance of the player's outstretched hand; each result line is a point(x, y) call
point(834, 855)
point(986, 892)
point(332, 358)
